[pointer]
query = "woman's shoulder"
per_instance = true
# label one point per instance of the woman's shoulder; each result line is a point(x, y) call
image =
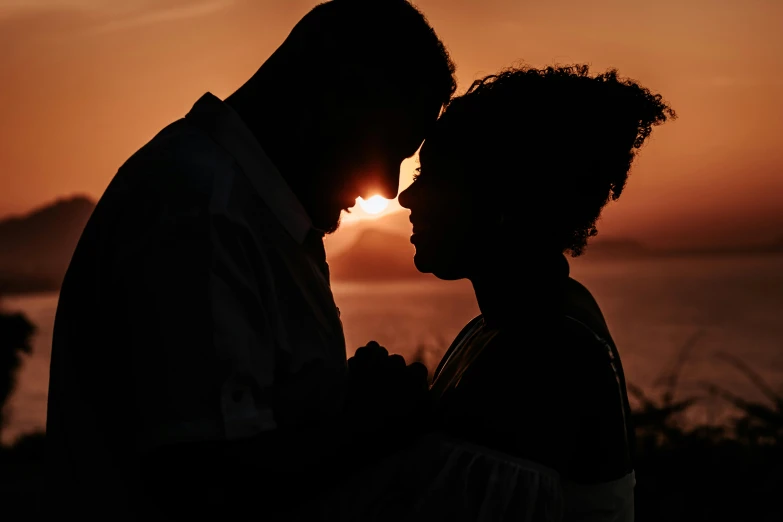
point(465, 332)
point(560, 365)
point(565, 339)
point(582, 309)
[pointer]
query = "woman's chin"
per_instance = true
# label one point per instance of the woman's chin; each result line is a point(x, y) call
point(431, 265)
point(421, 262)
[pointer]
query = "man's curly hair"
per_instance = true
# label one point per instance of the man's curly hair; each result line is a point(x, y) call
point(392, 37)
point(558, 139)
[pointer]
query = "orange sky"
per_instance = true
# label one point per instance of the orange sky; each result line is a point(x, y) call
point(87, 82)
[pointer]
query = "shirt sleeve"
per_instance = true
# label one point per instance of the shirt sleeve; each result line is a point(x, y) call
point(443, 478)
point(199, 307)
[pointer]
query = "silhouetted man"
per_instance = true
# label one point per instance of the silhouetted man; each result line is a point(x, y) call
point(198, 358)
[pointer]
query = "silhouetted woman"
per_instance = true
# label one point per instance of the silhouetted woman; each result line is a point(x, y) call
point(531, 395)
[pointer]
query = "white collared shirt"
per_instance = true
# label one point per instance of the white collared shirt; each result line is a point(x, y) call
point(191, 309)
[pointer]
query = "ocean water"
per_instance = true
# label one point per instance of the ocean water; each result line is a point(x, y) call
point(654, 307)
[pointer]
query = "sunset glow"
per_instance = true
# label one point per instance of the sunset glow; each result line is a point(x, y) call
point(75, 68)
point(144, 206)
point(373, 205)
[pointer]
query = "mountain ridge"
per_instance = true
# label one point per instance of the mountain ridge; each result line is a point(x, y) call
point(36, 248)
point(376, 255)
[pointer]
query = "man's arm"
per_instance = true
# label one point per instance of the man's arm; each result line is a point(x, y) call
point(269, 473)
point(292, 465)
point(195, 286)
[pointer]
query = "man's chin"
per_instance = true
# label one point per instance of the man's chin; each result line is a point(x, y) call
point(328, 224)
point(332, 228)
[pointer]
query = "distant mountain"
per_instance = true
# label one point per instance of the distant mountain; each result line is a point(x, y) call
point(384, 255)
point(376, 255)
point(615, 248)
point(348, 233)
point(398, 221)
point(35, 249)
point(760, 248)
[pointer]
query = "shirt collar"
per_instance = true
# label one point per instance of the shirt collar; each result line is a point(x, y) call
point(229, 131)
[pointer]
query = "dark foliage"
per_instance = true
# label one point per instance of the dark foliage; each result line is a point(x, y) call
point(698, 473)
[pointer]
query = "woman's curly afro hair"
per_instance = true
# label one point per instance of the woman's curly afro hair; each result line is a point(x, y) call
point(559, 140)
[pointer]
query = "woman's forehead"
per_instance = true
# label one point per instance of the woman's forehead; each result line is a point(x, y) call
point(437, 149)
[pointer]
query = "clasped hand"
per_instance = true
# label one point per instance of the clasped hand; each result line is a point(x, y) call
point(384, 391)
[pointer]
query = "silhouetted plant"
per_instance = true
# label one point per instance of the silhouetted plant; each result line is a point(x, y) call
point(419, 355)
point(15, 335)
point(429, 354)
point(707, 472)
point(21, 464)
point(658, 421)
point(760, 424)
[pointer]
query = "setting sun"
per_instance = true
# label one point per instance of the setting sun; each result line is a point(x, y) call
point(374, 205)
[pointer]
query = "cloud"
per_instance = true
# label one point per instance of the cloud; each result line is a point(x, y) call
point(161, 15)
point(15, 6)
point(744, 81)
point(23, 8)
point(112, 15)
point(21, 32)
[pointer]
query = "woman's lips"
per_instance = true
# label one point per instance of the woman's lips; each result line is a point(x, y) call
point(418, 230)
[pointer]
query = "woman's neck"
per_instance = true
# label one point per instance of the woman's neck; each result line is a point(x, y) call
point(506, 289)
